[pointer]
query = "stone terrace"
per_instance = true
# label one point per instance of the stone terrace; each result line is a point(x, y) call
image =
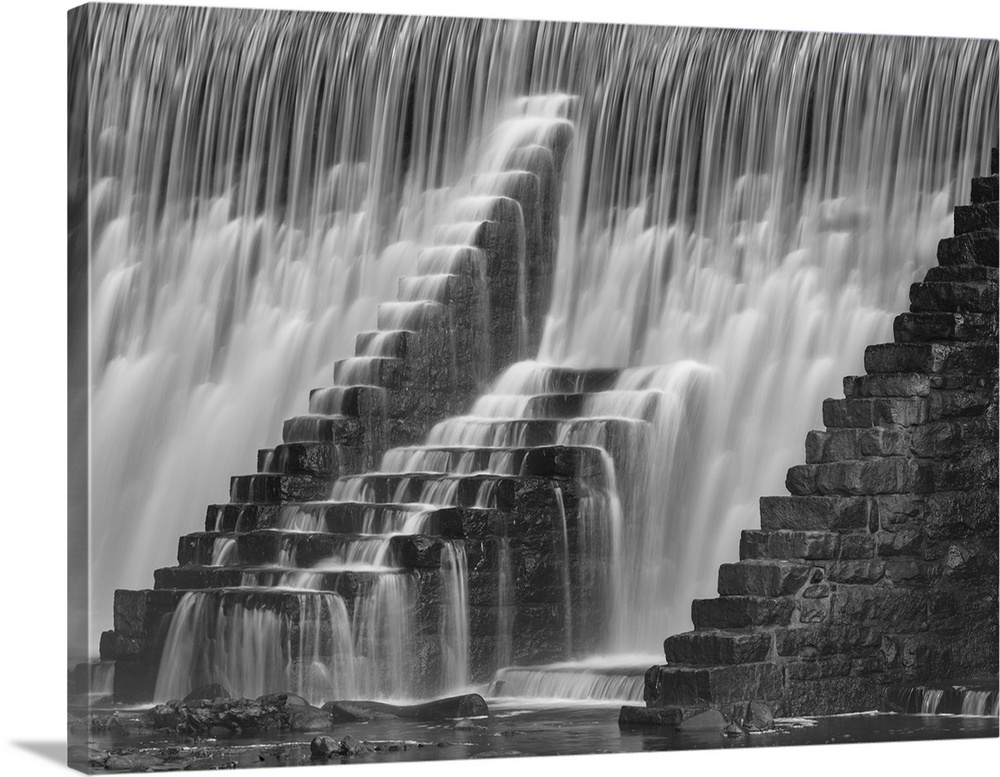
point(880, 568)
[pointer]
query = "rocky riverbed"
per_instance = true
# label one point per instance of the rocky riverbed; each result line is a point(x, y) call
point(217, 734)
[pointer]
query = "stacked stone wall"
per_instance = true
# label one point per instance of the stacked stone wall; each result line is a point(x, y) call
point(880, 567)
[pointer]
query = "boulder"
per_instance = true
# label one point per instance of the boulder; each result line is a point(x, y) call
point(309, 719)
point(758, 717)
point(323, 747)
point(281, 699)
point(470, 705)
point(208, 693)
point(707, 720)
point(352, 746)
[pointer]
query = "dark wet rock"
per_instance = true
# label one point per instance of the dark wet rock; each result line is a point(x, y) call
point(133, 762)
point(758, 717)
point(708, 720)
point(310, 719)
point(208, 693)
point(324, 747)
point(279, 699)
point(235, 715)
point(470, 705)
point(733, 731)
point(352, 746)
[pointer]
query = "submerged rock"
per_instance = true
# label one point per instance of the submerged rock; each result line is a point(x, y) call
point(470, 705)
point(310, 719)
point(708, 720)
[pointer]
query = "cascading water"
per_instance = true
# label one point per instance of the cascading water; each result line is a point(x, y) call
point(741, 214)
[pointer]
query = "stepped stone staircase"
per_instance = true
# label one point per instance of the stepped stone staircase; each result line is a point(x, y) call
point(534, 583)
point(880, 568)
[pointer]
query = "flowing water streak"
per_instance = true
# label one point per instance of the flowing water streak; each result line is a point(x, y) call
point(975, 702)
point(751, 201)
point(455, 620)
point(931, 701)
point(260, 180)
point(753, 227)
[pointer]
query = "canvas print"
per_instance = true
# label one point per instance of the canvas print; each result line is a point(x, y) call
point(449, 388)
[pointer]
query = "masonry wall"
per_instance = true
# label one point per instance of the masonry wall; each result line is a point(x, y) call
point(880, 566)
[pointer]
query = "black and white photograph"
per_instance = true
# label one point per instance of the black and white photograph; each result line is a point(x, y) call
point(453, 388)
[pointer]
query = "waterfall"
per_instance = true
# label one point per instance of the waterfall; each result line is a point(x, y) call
point(741, 214)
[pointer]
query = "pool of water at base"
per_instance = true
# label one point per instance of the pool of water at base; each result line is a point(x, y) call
point(515, 731)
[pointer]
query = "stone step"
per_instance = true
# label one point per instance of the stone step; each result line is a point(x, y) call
point(895, 475)
point(454, 259)
point(817, 513)
point(953, 297)
point(562, 461)
point(848, 444)
point(197, 577)
point(302, 549)
point(712, 685)
point(567, 380)
point(507, 432)
point(446, 288)
point(712, 647)
point(278, 488)
point(318, 459)
point(984, 189)
point(482, 490)
point(963, 359)
point(805, 545)
point(969, 218)
point(863, 413)
point(979, 247)
point(413, 316)
point(337, 429)
point(962, 273)
point(394, 344)
point(370, 371)
point(341, 517)
point(941, 326)
point(762, 578)
point(361, 402)
point(739, 612)
point(910, 384)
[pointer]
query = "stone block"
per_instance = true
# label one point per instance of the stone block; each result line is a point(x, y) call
point(714, 647)
point(976, 358)
point(890, 609)
point(737, 612)
point(696, 686)
point(904, 384)
point(954, 297)
point(984, 189)
point(969, 218)
point(867, 412)
point(863, 477)
point(979, 247)
point(789, 545)
point(855, 572)
point(645, 717)
point(762, 578)
point(829, 696)
point(939, 327)
point(814, 513)
point(848, 444)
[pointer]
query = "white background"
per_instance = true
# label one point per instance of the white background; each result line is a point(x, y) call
point(33, 311)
